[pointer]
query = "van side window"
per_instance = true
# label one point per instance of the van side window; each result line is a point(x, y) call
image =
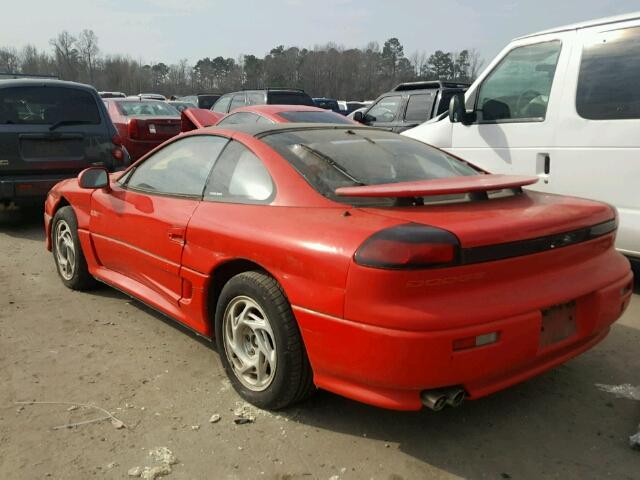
point(419, 107)
point(609, 75)
point(518, 88)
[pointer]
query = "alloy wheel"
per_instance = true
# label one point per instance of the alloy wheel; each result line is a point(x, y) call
point(249, 343)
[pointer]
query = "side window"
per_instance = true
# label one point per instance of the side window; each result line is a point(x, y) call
point(237, 102)
point(609, 75)
point(222, 105)
point(238, 117)
point(385, 110)
point(518, 88)
point(239, 176)
point(255, 98)
point(180, 168)
point(419, 107)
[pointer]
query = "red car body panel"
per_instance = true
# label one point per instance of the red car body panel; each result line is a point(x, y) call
point(378, 336)
point(194, 118)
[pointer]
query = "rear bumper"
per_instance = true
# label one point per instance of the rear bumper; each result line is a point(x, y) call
point(389, 368)
point(29, 189)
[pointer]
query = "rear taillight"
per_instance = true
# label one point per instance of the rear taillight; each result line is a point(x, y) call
point(132, 128)
point(117, 152)
point(409, 246)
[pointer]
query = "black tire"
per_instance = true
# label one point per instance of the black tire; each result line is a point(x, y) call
point(79, 278)
point(293, 378)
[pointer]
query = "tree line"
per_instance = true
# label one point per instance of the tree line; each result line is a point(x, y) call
point(328, 70)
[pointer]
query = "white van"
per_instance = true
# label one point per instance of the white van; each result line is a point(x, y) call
point(563, 104)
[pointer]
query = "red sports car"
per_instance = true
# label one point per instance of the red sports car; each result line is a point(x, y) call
point(143, 124)
point(283, 114)
point(346, 258)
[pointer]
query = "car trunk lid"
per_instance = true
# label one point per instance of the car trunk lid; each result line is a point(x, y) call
point(142, 127)
point(514, 218)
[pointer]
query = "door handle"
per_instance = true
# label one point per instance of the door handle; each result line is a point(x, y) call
point(176, 235)
point(543, 166)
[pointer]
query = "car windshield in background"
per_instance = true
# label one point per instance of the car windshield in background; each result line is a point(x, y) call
point(290, 98)
point(332, 158)
point(315, 117)
point(47, 106)
point(151, 107)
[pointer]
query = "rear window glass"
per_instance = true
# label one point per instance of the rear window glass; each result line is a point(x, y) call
point(290, 98)
point(47, 106)
point(146, 108)
point(332, 158)
point(315, 117)
point(609, 74)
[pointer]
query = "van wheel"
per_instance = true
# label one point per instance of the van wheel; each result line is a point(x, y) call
point(67, 252)
point(260, 344)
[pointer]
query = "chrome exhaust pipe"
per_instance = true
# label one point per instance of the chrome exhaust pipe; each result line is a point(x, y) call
point(455, 397)
point(436, 400)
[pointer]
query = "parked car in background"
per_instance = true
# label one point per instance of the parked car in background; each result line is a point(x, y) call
point(180, 105)
point(112, 94)
point(342, 105)
point(338, 256)
point(410, 104)
point(201, 100)
point(143, 124)
point(267, 96)
point(283, 114)
point(562, 104)
point(151, 96)
point(327, 104)
point(51, 130)
point(353, 106)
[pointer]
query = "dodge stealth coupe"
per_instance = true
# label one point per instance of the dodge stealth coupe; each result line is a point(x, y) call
point(346, 258)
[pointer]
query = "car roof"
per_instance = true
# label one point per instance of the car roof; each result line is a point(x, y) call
point(260, 129)
point(275, 109)
point(587, 24)
point(40, 82)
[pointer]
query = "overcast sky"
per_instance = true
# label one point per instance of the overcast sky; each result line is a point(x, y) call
point(168, 30)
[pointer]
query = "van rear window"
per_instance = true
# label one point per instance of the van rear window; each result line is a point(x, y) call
point(40, 105)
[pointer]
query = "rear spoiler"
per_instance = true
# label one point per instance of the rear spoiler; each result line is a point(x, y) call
point(439, 186)
point(193, 118)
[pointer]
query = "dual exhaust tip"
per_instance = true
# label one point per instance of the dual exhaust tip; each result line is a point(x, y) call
point(436, 400)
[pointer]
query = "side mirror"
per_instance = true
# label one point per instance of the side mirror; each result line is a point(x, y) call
point(457, 110)
point(94, 178)
point(358, 117)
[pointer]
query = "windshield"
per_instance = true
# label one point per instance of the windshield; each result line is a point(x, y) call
point(47, 106)
point(315, 117)
point(151, 107)
point(332, 158)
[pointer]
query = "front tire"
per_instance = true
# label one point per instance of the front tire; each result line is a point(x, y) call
point(259, 342)
point(67, 251)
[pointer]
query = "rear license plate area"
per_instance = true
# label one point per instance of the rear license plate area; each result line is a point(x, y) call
point(558, 323)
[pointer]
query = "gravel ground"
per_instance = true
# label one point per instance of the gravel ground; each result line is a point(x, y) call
point(104, 349)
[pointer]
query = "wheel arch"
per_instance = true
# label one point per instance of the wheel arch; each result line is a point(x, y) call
point(224, 272)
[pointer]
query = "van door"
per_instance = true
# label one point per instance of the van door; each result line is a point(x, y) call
point(516, 104)
point(597, 152)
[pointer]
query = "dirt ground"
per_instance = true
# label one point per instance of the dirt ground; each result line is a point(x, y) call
point(103, 348)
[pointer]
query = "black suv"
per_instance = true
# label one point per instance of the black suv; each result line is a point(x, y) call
point(201, 100)
point(267, 96)
point(410, 104)
point(51, 130)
